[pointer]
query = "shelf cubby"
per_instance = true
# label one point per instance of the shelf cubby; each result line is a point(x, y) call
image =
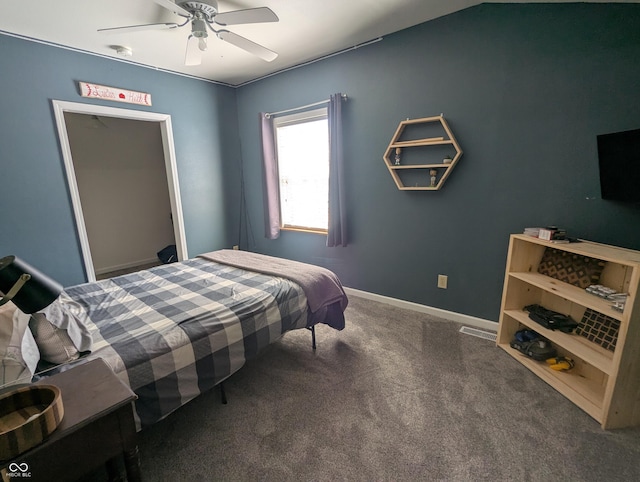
point(587, 393)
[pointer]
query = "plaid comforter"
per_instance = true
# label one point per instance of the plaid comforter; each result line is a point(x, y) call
point(177, 330)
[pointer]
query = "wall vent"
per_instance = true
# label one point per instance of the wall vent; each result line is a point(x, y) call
point(487, 335)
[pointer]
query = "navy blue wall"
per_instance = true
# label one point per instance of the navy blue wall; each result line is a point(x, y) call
point(525, 89)
point(36, 217)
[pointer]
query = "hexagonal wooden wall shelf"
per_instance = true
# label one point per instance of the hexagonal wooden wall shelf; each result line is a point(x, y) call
point(428, 172)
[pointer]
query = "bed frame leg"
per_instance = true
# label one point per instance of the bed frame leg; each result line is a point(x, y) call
point(313, 335)
point(223, 395)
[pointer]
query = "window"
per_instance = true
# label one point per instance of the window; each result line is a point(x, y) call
point(302, 146)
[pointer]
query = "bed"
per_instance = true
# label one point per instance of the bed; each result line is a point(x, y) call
point(177, 330)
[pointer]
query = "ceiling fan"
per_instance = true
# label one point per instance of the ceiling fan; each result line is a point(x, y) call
point(203, 15)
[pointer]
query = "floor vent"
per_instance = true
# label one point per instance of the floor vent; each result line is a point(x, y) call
point(487, 335)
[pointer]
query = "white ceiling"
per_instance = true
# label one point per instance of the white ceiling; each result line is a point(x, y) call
point(307, 30)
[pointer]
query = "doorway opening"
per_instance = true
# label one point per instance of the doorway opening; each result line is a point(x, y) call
point(126, 206)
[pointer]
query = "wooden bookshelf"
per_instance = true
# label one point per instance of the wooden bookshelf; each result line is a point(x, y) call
point(604, 383)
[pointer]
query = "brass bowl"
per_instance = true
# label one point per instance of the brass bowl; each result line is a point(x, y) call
point(28, 415)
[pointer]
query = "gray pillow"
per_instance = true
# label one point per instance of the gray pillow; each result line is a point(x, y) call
point(54, 344)
point(60, 330)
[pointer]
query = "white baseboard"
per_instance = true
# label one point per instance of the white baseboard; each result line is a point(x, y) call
point(131, 264)
point(409, 305)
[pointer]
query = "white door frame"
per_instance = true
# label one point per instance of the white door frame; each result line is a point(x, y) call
point(164, 120)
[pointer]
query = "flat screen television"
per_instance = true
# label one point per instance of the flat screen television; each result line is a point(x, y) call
point(619, 161)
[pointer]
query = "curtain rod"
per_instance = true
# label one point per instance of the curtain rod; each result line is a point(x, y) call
point(326, 101)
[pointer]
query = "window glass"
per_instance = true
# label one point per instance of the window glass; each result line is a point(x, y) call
point(302, 142)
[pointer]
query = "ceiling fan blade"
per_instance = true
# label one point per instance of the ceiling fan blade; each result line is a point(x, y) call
point(250, 15)
point(137, 28)
point(246, 44)
point(193, 55)
point(177, 9)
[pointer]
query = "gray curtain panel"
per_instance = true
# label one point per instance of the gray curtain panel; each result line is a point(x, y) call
point(337, 232)
point(270, 191)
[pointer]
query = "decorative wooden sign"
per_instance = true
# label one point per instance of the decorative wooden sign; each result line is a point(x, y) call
point(96, 91)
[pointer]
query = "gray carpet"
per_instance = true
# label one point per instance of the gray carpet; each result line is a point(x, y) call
point(396, 396)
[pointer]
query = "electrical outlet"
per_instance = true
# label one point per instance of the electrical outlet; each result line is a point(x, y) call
point(442, 281)
point(236, 247)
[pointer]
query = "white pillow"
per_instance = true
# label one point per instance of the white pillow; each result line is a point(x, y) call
point(18, 349)
point(60, 330)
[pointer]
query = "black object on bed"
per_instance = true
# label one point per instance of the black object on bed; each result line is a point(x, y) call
point(177, 330)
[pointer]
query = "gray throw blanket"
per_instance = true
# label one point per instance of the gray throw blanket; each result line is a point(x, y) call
point(321, 286)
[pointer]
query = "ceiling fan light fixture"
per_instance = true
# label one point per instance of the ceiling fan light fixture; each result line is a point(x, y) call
point(199, 28)
point(202, 43)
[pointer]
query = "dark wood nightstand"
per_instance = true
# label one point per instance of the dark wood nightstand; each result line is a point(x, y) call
point(98, 426)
